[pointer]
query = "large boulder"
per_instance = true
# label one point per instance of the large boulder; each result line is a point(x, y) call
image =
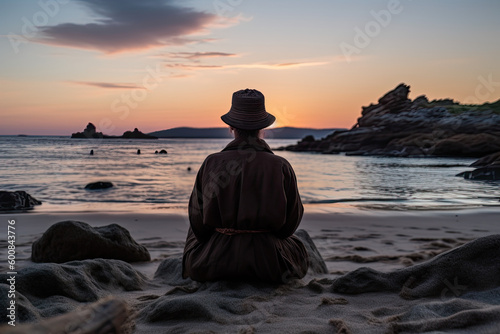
point(17, 200)
point(73, 240)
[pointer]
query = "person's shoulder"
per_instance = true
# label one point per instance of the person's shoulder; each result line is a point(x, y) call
point(280, 159)
point(217, 155)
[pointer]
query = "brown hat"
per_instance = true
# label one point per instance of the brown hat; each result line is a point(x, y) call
point(248, 111)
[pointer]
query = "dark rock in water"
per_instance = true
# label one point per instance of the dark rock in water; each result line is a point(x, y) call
point(489, 160)
point(489, 168)
point(17, 200)
point(49, 289)
point(156, 152)
point(88, 132)
point(72, 240)
point(136, 134)
point(91, 152)
point(99, 185)
point(465, 175)
point(163, 152)
point(397, 126)
point(482, 173)
point(316, 263)
point(138, 151)
point(474, 266)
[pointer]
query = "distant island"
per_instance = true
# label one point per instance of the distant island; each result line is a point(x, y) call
point(90, 132)
point(223, 132)
point(398, 126)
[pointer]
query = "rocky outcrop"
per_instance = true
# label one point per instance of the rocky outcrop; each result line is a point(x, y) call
point(72, 240)
point(99, 185)
point(136, 134)
point(17, 200)
point(488, 168)
point(398, 126)
point(90, 132)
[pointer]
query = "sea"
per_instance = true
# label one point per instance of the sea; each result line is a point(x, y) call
point(55, 171)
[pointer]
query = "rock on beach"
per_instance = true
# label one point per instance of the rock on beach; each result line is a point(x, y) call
point(73, 240)
point(17, 200)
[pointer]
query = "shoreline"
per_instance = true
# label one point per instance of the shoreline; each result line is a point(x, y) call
point(182, 208)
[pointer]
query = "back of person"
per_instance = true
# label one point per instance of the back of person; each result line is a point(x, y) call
point(243, 211)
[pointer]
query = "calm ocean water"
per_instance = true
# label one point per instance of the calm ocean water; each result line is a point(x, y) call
point(55, 170)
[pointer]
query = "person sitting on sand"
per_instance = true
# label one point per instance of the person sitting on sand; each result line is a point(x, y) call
point(245, 206)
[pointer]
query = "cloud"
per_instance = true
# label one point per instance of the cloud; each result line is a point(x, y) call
point(282, 66)
point(130, 25)
point(199, 55)
point(276, 66)
point(194, 67)
point(106, 85)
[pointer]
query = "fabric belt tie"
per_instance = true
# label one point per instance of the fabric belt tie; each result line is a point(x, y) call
point(232, 231)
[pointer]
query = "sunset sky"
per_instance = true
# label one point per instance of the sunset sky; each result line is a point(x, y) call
point(158, 64)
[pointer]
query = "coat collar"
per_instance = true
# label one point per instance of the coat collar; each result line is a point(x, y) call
point(256, 144)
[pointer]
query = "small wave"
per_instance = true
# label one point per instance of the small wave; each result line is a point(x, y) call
point(344, 200)
point(395, 207)
point(397, 165)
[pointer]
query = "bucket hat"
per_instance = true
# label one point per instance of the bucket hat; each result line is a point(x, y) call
point(248, 111)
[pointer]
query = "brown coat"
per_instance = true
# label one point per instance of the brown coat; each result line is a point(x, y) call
point(253, 194)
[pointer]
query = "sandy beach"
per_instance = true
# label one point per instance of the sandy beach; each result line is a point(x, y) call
point(386, 242)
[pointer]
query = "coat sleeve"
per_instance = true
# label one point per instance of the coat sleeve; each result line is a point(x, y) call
point(196, 209)
point(294, 207)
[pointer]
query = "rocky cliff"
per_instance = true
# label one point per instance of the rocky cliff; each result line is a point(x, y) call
point(399, 126)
